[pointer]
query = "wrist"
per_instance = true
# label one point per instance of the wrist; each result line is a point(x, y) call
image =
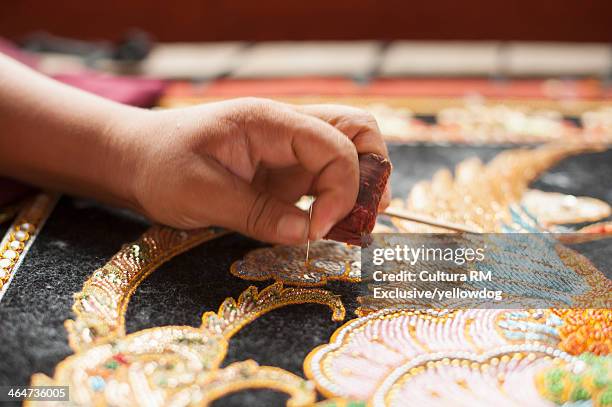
point(122, 155)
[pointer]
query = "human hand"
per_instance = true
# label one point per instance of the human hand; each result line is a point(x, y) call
point(243, 163)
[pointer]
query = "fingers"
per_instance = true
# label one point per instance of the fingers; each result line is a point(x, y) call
point(287, 184)
point(281, 137)
point(269, 219)
point(234, 203)
point(357, 124)
point(360, 127)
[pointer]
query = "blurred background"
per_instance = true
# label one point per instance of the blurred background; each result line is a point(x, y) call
point(405, 60)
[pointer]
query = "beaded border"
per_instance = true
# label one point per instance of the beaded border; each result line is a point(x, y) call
point(380, 395)
point(21, 236)
point(101, 304)
point(314, 357)
point(253, 376)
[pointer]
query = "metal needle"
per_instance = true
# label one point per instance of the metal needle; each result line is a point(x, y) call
point(309, 219)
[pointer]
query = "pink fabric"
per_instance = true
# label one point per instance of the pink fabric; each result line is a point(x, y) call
point(7, 48)
point(133, 91)
point(128, 90)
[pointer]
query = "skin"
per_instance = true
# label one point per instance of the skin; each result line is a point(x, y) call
point(240, 164)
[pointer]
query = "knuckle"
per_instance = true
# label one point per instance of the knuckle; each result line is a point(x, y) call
point(257, 111)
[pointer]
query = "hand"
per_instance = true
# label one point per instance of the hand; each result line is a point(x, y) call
point(240, 164)
point(243, 163)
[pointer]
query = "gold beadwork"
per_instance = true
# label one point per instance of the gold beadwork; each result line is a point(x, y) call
point(176, 363)
point(249, 375)
point(100, 306)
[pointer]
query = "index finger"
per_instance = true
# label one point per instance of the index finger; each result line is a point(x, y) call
point(281, 137)
point(359, 126)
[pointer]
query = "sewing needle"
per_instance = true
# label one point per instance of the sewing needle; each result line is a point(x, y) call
point(309, 219)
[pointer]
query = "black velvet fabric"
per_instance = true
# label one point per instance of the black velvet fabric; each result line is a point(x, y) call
point(81, 236)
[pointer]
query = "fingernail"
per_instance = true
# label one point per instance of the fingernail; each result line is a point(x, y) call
point(292, 228)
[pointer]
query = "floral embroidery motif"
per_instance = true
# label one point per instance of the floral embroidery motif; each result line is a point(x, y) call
point(366, 350)
point(393, 356)
point(175, 363)
point(328, 261)
point(504, 376)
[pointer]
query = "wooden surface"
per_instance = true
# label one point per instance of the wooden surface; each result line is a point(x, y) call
point(205, 20)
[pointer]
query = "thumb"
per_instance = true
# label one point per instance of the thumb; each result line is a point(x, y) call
point(258, 214)
point(269, 219)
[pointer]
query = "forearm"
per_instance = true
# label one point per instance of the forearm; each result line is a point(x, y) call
point(56, 136)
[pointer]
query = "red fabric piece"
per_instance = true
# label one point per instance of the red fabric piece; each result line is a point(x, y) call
point(393, 87)
point(307, 86)
point(374, 171)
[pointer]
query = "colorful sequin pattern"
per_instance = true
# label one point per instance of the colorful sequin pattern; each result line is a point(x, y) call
point(396, 356)
point(587, 380)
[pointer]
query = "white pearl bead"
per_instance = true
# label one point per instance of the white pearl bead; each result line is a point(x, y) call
point(10, 254)
point(21, 235)
point(28, 227)
point(3, 273)
point(5, 263)
point(15, 245)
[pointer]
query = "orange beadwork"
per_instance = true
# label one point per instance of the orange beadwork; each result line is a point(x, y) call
point(586, 330)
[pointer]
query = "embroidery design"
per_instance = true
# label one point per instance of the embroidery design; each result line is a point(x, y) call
point(483, 197)
point(249, 375)
point(366, 350)
point(500, 377)
point(588, 379)
point(393, 355)
point(487, 198)
point(383, 357)
point(329, 261)
point(551, 208)
point(100, 306)
point(174, 365)
point(586, 330)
